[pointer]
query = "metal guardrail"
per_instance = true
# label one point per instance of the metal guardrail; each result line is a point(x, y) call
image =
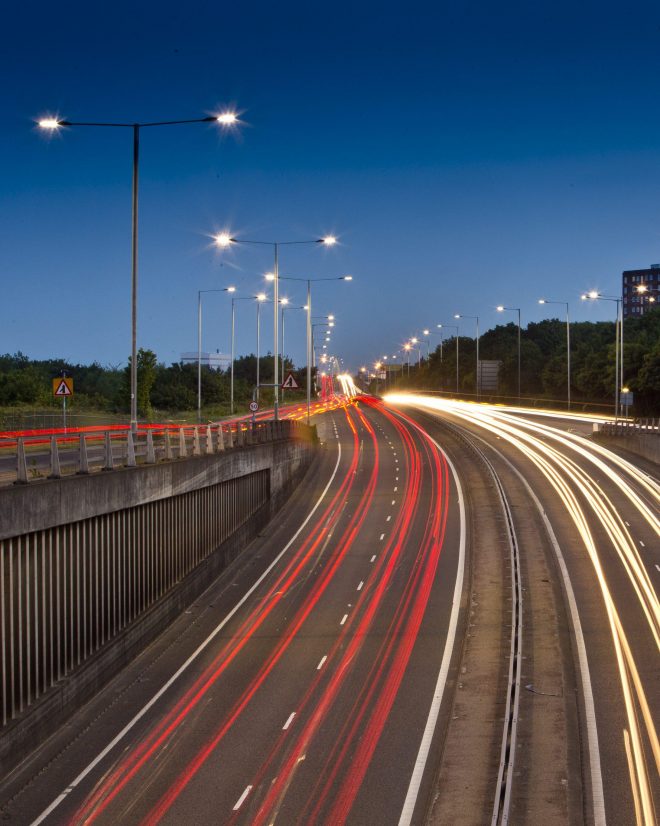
point(26, 459)
point(630, 427)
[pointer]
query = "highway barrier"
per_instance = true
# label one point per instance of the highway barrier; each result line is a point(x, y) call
point(94, 564)
point(639, 436)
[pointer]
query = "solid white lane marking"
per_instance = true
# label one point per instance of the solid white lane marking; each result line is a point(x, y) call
point(343, 619)
point(373, 558)
point(289, 721)
point(382, 536)
point(241, 799)
point(119, 737)
point(388, 518)
point(323, 659)
point(360, 585)
point(434, 711)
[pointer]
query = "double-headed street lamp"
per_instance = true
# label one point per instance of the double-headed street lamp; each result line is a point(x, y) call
point(226, 119)
point(224, 240)
point(501, 309)
point(310, 350)
point(477, 376)
point(199, 343)
point(568, 347)
point(452, 327)
point(594, 295)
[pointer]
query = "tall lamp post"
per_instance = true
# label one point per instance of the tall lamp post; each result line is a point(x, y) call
point(224, 240)
point(594, 295)
point(226, 119)
point(477, 375)
point(261, 297)
point(568, 348)
point(199, 343)
point(310, 347)
point(285, 306)
point(453, 327)
point(501, 309)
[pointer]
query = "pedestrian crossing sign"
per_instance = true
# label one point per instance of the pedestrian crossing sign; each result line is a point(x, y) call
point(63, 387)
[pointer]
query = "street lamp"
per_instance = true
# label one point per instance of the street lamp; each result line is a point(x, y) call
point(225, 119)
point(501, 309)
point(199, 343)
point(224, 240)
point(594, 295)
point(285, 302)
point(477, 375)
point(568, 348)
point(261, 297)
point(453, 327)
point(310, 348)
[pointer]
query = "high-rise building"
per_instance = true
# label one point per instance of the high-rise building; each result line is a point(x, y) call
point(640, 290)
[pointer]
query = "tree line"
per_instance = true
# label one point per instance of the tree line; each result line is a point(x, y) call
point(544, 362)
point(26, 382)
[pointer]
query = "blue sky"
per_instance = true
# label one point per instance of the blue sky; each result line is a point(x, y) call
point(466, 154)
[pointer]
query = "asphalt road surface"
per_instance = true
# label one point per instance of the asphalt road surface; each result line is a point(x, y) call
point(306, 685)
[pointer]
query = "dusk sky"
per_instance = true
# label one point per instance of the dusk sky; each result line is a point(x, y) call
point(466, 154)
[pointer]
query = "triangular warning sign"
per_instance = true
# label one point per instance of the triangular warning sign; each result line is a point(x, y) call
point(63, 389)
point(290, 383)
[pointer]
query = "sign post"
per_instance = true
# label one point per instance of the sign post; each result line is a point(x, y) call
point(254, 406)
point(62, 389)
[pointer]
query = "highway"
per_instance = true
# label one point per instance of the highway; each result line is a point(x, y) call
point(301, 686)
point(601, 513)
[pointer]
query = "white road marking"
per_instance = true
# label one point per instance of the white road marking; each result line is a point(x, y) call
point(382, 536)
point(360, 585)
point(627, 524)
point(642, 544)
point(373, 558)
point(241, 799)
point(343, 619)
point(323, 659)
point(657, 568)
point(394, 501)
point(289, 721)
point(395, 488)
point(388, 518)
point(145, 708)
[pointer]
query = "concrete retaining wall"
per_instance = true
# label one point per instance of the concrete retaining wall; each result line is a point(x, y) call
point(646, 445)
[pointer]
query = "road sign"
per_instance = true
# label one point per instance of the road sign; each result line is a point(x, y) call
point(254, 406)
point(63, 387)
point(289, 383)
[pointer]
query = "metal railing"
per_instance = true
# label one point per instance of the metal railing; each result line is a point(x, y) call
point(25, 459)
point(631, 427)
point(68, 590)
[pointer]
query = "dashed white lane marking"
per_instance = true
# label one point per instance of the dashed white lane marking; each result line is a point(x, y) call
point(388, 518)
point(288, 723)
point(373, 558)
point(627, 524)
point(360, 585)
point(382, 536)
point(323, 659)
point(642, 544)
point(396, 478)
point(343, 619)
point(241, 799)
point(395, 488)
point(394, 501)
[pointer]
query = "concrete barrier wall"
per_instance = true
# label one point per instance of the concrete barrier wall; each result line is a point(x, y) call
point(646, 445)
point(93, 567)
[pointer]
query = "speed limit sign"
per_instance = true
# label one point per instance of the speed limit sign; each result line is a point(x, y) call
point(254, 406)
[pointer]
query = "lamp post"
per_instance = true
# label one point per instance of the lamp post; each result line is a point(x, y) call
point(226, 119)
point(284, 302)
point(199, 343)
point(454, 327)
point(225, 240)
point(568, 348)
point(261, 297)
point(477, 375)
point(415, 340)
point(310, 347)
point(501, 309)
point(594, 295)
point(427, 336)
